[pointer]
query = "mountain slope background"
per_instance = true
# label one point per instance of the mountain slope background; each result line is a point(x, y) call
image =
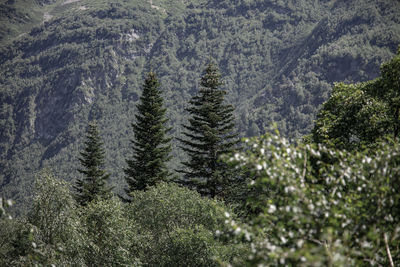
point(64, 63)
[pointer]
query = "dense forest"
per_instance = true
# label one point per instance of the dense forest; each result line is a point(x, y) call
point(65, 63)
point(199, 133)
point(329, 199)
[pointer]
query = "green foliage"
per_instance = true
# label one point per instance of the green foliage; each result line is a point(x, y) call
point(109, 236)
point(16, 238)
point(164, 226)
point(97, 234)
point(351, 118)
point(320, 206)
point(178, 227)
point(52, 208)
point(278, 60)
point(151, 147)
point(390, 91)
point(94, 184)
point(54, 222)
point(189, 247)
point(209, 134)
point(18, 17)
point(358, 115)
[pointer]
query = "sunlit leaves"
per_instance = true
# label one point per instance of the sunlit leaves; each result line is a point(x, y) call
point(358, 115)
point(318, 205)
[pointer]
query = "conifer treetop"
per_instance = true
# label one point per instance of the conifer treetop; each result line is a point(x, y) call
point(94, 183)
point(208, 134)
point(150, 145)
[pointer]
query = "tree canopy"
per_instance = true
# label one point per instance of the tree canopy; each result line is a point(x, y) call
point(210, 132)
point(360, 115)
point(150, 146)
point(94, 183)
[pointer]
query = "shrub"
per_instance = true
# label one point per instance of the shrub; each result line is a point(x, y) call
point(178, 227)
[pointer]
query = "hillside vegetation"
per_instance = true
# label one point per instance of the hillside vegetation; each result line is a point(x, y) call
point(304, 203)
point(63, 63)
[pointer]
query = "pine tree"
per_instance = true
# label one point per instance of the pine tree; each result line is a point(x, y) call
point(94, 183)
point(151, 147)
point(209, 134)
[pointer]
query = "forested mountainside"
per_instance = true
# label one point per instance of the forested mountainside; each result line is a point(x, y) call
point(269, 202)
point(64, 63)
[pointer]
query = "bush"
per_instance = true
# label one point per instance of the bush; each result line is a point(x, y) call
point(54, 222)
point(320, 206)
point(109, 235)
point(15, 242)
point(178, 227)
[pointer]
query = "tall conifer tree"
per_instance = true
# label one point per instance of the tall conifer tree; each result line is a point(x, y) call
point(209, 133)
point(94, 184)
point(151, 146)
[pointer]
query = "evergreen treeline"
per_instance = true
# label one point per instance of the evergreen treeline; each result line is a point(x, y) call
point(331, 201)
point(65, 63)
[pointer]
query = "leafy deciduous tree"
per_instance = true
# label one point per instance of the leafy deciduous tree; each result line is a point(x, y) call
point(320, 206)
point(110, 236)
point(358, 115)
point(55, 224)
point(178, 227)
point(391, 89)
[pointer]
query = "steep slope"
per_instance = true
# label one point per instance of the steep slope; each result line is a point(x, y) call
point(72, 69)
point(86, 61)
point(347, 44)
point(17, 17)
